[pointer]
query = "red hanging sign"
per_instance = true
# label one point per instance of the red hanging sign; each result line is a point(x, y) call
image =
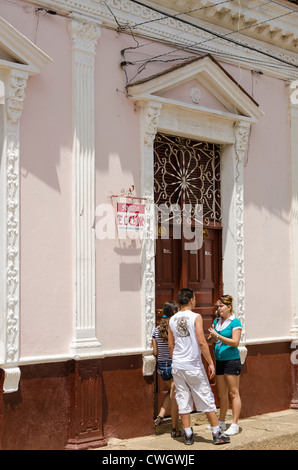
point(130, 216)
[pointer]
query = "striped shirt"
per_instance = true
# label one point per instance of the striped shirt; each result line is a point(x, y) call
point(163, 348)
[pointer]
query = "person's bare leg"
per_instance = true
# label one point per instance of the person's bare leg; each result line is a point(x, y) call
point(165, 405)
point(233, 387)
point(212, 418)
point(185, 419)
point(223, 396)
point(174, 408)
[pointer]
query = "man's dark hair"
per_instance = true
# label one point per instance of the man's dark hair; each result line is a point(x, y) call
point(185, 295)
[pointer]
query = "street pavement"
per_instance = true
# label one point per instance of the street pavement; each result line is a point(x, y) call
point(273, 431)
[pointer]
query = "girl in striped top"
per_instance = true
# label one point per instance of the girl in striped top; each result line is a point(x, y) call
point(164, 366)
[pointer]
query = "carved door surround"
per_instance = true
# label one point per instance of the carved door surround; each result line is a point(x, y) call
point(22, 59)
point(229, 129)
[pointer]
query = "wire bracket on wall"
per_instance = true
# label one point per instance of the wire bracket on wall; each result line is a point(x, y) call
point(128, 194)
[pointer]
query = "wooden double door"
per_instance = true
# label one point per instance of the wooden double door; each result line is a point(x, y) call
point(176, 267)
point(201, 270)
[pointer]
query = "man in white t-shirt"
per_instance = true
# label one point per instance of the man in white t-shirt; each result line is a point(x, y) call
point(186, 343)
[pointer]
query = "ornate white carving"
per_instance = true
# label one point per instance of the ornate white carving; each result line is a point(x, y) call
point(167, 117)
point(278, 38)
point(149, 363)
point(11, 379)
point(15, 84)
point(84, 39)
point(149, 119)
point(242, 131)
point(195, 94)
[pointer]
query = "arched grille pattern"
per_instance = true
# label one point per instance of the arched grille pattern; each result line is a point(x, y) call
point(187, 173)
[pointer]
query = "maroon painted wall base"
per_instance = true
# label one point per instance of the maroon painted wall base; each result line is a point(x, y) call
point(81, 404)
point(266, 383)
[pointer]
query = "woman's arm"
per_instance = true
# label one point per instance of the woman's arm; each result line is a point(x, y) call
point(155, 347)
point(171, 341)
point(234, 341)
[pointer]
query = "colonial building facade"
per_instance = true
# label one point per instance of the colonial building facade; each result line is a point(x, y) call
point(145, 146)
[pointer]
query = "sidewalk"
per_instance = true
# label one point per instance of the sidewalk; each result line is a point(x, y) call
point(273, 431)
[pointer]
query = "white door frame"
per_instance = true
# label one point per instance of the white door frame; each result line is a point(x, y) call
point(230, 130)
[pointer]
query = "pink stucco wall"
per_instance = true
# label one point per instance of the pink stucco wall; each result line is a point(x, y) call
point(46, 313)
point(117, 169)
point(267, 215)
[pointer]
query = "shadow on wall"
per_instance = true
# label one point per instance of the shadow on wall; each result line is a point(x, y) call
point(129, 272)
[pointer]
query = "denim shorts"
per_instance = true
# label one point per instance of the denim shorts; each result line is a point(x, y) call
point(232, 367)
point(165, 370)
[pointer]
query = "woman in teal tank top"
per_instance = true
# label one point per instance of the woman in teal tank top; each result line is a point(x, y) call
point(226, 333)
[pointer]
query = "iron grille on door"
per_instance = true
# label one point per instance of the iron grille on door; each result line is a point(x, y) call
point(188, 172)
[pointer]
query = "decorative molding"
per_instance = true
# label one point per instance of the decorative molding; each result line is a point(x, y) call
point(242, 132)
point(149, 123)
point(164, 115)
point(271, 23)
point(208, 72)
point(149, 363)
point(84, 39)
point(22, 59)
point(275, 38)
point(20, 50)
point(15, 84)
point(11, 379)
point(86, 404)
point(195, 95)
point(276, 339)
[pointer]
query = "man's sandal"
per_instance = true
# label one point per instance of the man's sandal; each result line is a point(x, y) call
point(158, 421)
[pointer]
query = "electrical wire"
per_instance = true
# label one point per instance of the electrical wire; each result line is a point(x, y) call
point(198, 9)
point(194, 51)
point(217, 35)
point(181, 13)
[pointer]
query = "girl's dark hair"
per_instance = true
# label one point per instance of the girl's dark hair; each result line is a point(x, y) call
point(169, 309)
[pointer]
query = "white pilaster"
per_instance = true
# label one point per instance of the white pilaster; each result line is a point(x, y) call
point(293, 114)
point(84, 39)
point(149, 121)
point(15, 83)
point(233, 226)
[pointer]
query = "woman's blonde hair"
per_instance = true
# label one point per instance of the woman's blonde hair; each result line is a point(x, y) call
point(227, 300)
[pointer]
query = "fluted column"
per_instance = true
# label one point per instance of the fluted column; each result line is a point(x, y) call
point(84, 39)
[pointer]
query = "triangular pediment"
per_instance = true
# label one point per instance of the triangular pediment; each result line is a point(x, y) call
point(16, 49)
point(193, 92)
point(201, 84)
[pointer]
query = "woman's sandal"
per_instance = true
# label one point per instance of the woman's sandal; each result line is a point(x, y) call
point(158, 421)
point(176, 433)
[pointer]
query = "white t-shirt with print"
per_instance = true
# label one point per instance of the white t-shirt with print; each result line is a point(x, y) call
point(187, 353)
